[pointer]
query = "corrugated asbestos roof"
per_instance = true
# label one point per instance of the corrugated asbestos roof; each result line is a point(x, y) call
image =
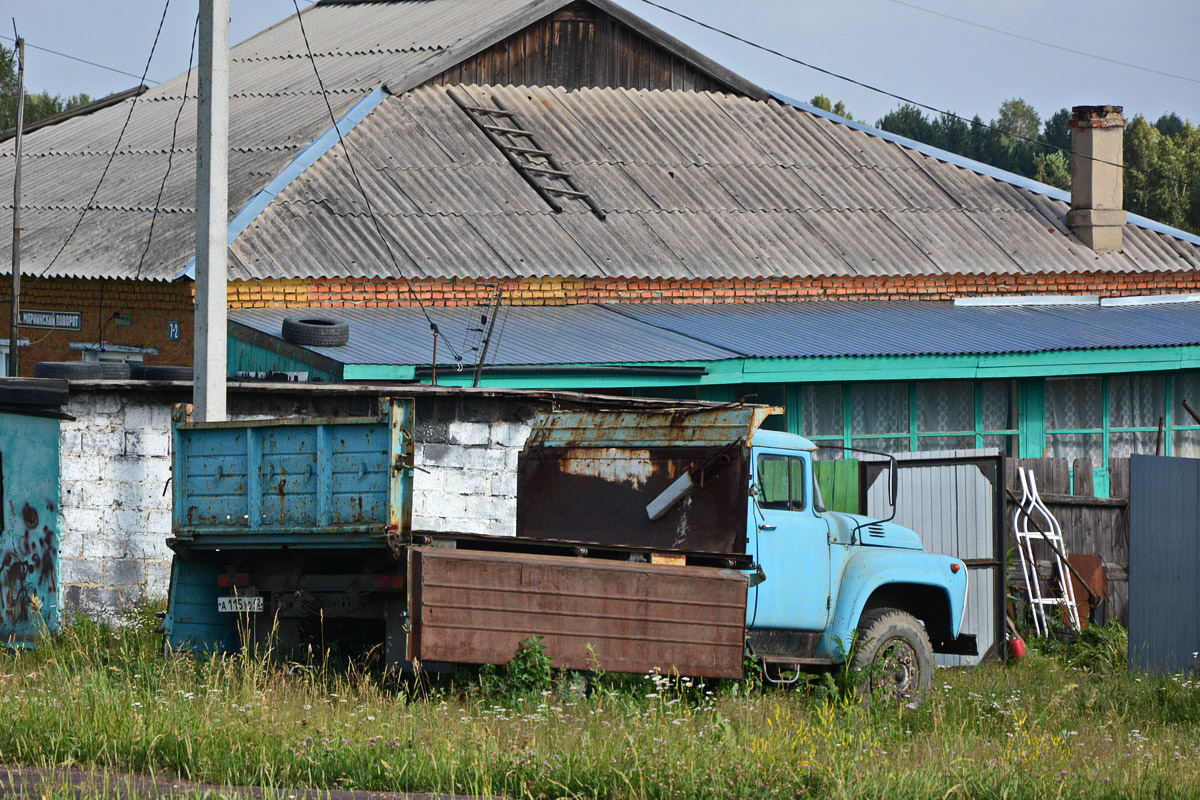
point(643, 333)
point(696, 185)
point(276, 110)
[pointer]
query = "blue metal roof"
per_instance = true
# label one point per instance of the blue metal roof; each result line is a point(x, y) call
point(876, 328)
point(523, 335)
point(643, 333)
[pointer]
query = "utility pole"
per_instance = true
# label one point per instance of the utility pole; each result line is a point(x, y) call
point(212, 213)
point(14, 342)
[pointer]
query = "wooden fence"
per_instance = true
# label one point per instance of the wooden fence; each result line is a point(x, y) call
point(1090, 524)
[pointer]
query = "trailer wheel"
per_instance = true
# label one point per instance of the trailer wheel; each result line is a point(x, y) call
point(895, 653)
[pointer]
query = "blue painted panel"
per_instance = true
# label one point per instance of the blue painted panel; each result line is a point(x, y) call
point(791, 545)
point(29, 530)
point(293, 478)
point(193, 622)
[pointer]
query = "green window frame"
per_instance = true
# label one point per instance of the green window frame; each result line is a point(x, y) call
point(912, 433)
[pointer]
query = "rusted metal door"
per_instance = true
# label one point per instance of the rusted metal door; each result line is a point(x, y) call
point(29, 492)
point(477, 607)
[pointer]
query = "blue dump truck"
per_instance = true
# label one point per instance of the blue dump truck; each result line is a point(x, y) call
point(676, 540)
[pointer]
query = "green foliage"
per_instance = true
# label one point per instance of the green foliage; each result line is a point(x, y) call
point(1100, 649)
point(1162, 184)
point(105, 698)
point(530, 671)
point(822, 102)
point(1054, 169)
point(37, 105)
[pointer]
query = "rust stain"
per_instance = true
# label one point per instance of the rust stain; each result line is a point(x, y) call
point(618, 465)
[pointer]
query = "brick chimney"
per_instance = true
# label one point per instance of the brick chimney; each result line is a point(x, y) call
point(1097, 142)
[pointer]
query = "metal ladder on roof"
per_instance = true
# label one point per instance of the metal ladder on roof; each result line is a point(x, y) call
point(535, 164)
point(1030, 509)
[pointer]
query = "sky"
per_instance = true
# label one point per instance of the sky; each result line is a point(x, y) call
point(887, 44)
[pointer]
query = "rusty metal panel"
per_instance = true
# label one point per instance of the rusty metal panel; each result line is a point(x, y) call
point(29, 532)
point(599, 495)
point(477, 608)
point(690, 427)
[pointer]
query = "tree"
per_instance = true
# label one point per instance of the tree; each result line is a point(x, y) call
point(908, 121)
point(1018, 117)
point(37, 106)
point(1057, 130)
point(1170, 124)
point(1053, 168)
point(822, 102)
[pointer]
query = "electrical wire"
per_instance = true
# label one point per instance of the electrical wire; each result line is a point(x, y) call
point(111, 157)
point(170, 151)
point(1045, 44)
point(907, 100)
point(80, 60)
point(363, 192)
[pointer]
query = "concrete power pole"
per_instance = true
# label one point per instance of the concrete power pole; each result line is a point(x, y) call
point(212, 212)
point(14, 341)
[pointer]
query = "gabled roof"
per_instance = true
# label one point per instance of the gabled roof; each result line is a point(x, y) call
point(276, 112)
point(694, 185)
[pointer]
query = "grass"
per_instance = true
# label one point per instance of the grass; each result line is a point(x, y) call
point(100, 698)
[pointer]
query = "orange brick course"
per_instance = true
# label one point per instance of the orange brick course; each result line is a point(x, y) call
point(359, 292)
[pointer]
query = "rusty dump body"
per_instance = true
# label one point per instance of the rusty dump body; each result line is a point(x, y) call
point(588, 477)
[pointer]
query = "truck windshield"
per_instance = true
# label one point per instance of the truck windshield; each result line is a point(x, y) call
point(780, 482)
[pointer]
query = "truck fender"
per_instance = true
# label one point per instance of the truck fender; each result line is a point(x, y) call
point(871, 569)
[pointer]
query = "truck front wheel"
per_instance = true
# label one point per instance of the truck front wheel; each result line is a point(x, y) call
point(895, 653)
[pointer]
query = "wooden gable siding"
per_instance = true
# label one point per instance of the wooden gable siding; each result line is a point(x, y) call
point(580, 46)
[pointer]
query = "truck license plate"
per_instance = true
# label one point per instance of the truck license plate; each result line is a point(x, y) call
point(239, 604)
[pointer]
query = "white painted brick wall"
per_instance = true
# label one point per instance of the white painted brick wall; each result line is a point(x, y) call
point(115, 462)
point(469, 483)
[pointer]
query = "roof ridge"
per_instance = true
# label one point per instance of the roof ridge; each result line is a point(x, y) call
point(978, 167)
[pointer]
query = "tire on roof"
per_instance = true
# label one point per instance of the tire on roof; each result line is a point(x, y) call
point(315, 331)
point(82, 370)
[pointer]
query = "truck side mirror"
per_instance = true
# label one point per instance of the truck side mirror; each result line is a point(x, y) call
point(893, 481)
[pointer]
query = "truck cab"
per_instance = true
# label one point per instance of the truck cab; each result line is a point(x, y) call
point(828, 579)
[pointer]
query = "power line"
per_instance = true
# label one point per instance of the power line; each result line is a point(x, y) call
point(111, 157)
point(904, 99)
point(1046, 44)
point(80, 60)
point(363, 192)
point(170, 151)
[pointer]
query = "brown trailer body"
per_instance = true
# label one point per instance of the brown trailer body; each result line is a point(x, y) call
point(476, 608)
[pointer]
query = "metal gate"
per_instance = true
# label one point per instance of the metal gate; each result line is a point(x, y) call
point(29, 588)
point(1164, 561)
point(954, 500)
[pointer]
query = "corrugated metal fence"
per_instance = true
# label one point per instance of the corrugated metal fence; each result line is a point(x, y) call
point(1164, 560)
point(953, 500)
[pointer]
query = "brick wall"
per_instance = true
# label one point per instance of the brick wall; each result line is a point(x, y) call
point(368, 293)
point(149, 305)
point(115, 462)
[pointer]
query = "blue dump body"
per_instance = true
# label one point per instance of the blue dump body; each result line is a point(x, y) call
point(344, 482)
point(279, 485)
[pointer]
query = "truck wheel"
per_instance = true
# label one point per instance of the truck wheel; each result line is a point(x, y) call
point(894, 650)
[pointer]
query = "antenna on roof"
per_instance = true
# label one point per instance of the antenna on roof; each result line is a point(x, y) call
point(490, 318)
